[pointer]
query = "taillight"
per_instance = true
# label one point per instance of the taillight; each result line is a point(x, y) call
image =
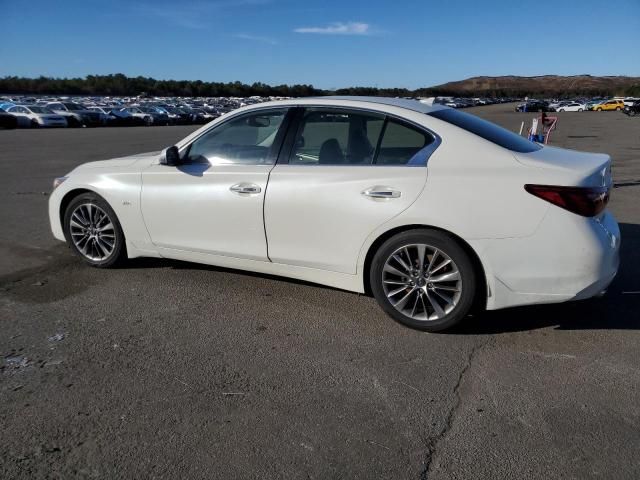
point(585, 201)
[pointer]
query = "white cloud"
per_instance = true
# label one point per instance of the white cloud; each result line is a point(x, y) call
point(338, 28)
point(256, 38)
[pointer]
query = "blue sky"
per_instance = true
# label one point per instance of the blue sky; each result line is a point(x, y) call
point(329, 43)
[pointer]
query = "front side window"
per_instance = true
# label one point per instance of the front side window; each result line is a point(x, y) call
point(246, 140)
point(334, 137)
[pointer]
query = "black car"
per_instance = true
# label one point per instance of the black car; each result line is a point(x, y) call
point(633, 109)
point(7, 120)
point(534, 106)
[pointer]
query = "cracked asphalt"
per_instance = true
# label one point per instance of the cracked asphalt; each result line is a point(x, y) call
point(162, 369)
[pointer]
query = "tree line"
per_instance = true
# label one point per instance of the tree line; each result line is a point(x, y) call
point(121, 85)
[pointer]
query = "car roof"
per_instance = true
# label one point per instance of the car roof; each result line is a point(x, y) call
point(406, 103)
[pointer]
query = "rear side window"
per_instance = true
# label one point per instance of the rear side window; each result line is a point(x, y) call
point(487, 130)
point(344, 137)
point(401, 145)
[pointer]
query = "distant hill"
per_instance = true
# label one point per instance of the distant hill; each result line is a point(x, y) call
point(545, 85)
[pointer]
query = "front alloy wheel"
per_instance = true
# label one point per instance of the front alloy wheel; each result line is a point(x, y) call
point(93, 231)
point(424, 279)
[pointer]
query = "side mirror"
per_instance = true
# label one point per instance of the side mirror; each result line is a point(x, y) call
point(170, 156)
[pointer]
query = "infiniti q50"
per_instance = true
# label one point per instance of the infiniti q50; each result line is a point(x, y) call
point(432, 210)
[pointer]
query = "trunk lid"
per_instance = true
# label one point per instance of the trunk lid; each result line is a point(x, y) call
point(570, 167)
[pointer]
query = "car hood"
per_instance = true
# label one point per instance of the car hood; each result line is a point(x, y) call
point(121, 162)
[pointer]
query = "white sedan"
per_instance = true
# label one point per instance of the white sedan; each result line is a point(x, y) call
point(572, 107)
point(37, 116)
point(431, 210)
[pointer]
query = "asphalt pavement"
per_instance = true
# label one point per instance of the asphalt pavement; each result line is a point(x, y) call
point(164, 369)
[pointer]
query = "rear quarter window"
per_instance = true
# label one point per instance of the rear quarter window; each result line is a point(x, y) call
point(487, 130)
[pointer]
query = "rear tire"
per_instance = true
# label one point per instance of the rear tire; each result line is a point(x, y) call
point(93, 231)
point(35, 124)
point(430, 291)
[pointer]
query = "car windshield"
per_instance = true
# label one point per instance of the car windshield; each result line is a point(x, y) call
point(39, 110)
point(73, 106)
point(487, 130)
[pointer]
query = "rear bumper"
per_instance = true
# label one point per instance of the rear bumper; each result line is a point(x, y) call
point(568, 258)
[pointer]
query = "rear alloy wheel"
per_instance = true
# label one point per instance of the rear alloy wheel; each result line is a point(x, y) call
point(148, 121)
point(93, 231)
point(580, 110)
point(423, 279)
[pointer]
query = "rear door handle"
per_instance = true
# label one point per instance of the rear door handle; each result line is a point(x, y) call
point(381, 192)
point(250, 188)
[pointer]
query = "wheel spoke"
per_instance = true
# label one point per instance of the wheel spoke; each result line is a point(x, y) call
point(435, 254)
point(446, 288)
point(446, 277)
point(403, 301)
point(395, 282)
point(105, 251)
point(108, 226)
point(406, 267)
point(436, 306)
point(78, 219)
point(440, 267)
point(415, 304)
point(76, 224)
point(422, 249)
point(388, 268)
point(448, 300)
point(396, 291)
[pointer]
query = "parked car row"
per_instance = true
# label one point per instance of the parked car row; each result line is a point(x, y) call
point(458, 102)
point(577, 105)
point(31, 112)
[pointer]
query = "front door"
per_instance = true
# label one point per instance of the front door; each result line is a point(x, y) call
point(213, 201)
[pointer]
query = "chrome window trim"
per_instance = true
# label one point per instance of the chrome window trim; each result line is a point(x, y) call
point(430, 149)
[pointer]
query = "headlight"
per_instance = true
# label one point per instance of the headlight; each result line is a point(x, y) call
point(58, 181)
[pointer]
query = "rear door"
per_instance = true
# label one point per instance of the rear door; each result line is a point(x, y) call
point(343, 173)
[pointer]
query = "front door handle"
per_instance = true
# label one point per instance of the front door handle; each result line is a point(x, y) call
point(249, 188)
point(381, 192)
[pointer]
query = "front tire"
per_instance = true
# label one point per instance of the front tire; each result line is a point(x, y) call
point(93, 231)
point(423, 279)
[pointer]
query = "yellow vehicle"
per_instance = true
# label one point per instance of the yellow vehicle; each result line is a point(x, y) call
point(609, 105)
